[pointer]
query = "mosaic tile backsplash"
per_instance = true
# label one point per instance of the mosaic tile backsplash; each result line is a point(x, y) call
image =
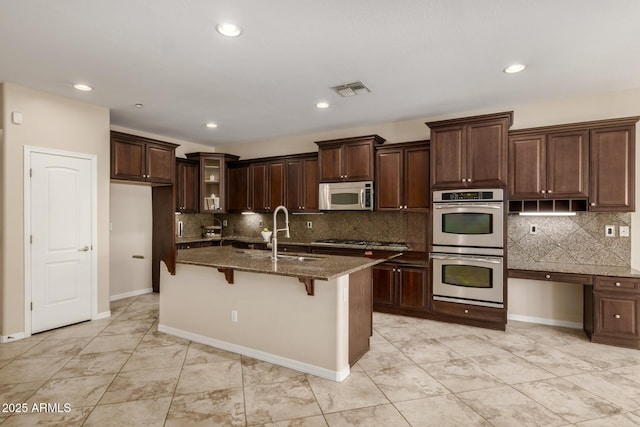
point(407, 227)
point(576, 239)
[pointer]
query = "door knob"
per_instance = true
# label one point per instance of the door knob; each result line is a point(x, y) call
point(85, 249)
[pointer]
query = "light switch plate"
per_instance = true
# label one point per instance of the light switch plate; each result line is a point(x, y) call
point(610, 231)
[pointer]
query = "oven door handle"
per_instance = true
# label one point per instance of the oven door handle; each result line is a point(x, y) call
point(467, 205)
point(460, 258)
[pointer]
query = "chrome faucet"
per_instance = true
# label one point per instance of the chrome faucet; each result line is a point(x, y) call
point(274, 238)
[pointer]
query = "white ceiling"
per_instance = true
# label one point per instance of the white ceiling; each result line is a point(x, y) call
point(421, 58)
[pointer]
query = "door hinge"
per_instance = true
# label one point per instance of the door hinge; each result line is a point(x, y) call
point(31, 238)
point(30, 172)
point(32, 306)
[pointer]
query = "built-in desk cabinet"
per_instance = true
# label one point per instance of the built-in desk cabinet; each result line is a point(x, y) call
point(470, 152)
point(616, 306)
point(348, 159)
point(135, 158)
point(578, 166)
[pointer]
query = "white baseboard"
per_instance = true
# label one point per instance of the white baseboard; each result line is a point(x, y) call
point(103, 315)
point(260, 355)
point(543, 321)
point(130, 294)
point(13, 337)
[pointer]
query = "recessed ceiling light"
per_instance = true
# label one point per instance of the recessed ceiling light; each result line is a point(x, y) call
point(211, 125)
point(83, 87)
point(139, 105)
point(229, 30)
point(514, 68)
point(322, 104)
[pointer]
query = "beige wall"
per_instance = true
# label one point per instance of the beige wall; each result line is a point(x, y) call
point(131, 232)
point(58, 123)
point(526, 298)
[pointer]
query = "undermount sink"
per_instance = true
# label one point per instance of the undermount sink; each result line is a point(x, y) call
point(253, 253)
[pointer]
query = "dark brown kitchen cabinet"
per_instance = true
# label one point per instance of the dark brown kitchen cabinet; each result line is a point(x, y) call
point(613, 169)
point(470, 152)
point(402, 177)
point(267, 183)
point(239, 188)
point(135, 158)
point(400, 286)
point(616, 305)
point(213, 186)
point(302, 184)
point(348, 159)
point(551, 165)
point(187, 185)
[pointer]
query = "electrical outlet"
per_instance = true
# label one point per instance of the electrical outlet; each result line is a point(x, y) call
point(260, 223)
point(610, 231)
point(224, 222)
point(309, 224)
point(234, 315)
point(624, 231)
point(533, 229)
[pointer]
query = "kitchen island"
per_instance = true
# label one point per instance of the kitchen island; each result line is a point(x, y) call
point(309, 313)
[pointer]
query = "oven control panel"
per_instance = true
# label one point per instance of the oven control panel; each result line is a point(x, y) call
point(488, 195)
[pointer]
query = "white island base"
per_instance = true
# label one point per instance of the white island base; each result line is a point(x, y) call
point(277, 321)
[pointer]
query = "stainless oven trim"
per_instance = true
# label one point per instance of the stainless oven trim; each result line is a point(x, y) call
point(469, 302)
point(495, 240)
point(470, 295)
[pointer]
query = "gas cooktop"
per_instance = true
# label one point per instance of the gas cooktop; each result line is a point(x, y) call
point(359, 242)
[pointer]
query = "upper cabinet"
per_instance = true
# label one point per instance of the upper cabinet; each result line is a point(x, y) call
point(239, 187)
point(402, 177)
point(592, 161)
point(187, 179)
point(301, 194)
point(261, 185)
point(267, 182)
point(348, 159)
point(470, 152)
point(613, 168)
point(549, 165)
point(135, 158)
point(212, 180)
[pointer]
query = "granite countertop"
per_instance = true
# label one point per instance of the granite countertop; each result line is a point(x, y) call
point(197, 239)
point(323, 267)
point(591, 269)
point(285, 241)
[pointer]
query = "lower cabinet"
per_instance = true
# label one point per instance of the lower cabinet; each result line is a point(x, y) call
point(400, 286)
point(616, 305)
point(193, 245)
point(470, 312)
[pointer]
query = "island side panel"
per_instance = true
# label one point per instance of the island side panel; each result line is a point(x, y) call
point(360, 313)
point(277, 320)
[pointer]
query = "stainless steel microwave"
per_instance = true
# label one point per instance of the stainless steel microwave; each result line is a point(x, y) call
point(346, 196)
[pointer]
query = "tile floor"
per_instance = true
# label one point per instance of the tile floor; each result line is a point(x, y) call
point(121, 371)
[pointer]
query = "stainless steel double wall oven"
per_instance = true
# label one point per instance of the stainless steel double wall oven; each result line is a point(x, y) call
point(468, 246)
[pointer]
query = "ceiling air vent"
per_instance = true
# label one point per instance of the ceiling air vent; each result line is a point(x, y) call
point(351, 89)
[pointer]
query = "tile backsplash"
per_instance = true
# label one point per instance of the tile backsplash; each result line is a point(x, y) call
point(408, 227)
point(576, 239)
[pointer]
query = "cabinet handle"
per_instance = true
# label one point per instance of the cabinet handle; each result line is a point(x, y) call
point(468, 179)
point(617, 316)
point(542, 191)
point(549, 191)
point(405, 206)
point(618, 283)
point(464, 179)
point(547, 276)
point(593, 203)
point(466, 311)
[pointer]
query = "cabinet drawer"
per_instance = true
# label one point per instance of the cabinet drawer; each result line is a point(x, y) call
point(584, 279)
point(616, 316)
point(469, 311)
point(621, 284)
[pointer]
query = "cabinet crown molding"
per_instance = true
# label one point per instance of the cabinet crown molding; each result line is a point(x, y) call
point(622, 121)
point(376, 139)
point(472, 119)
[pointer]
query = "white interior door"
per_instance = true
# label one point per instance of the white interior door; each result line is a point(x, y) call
point(61, 244)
